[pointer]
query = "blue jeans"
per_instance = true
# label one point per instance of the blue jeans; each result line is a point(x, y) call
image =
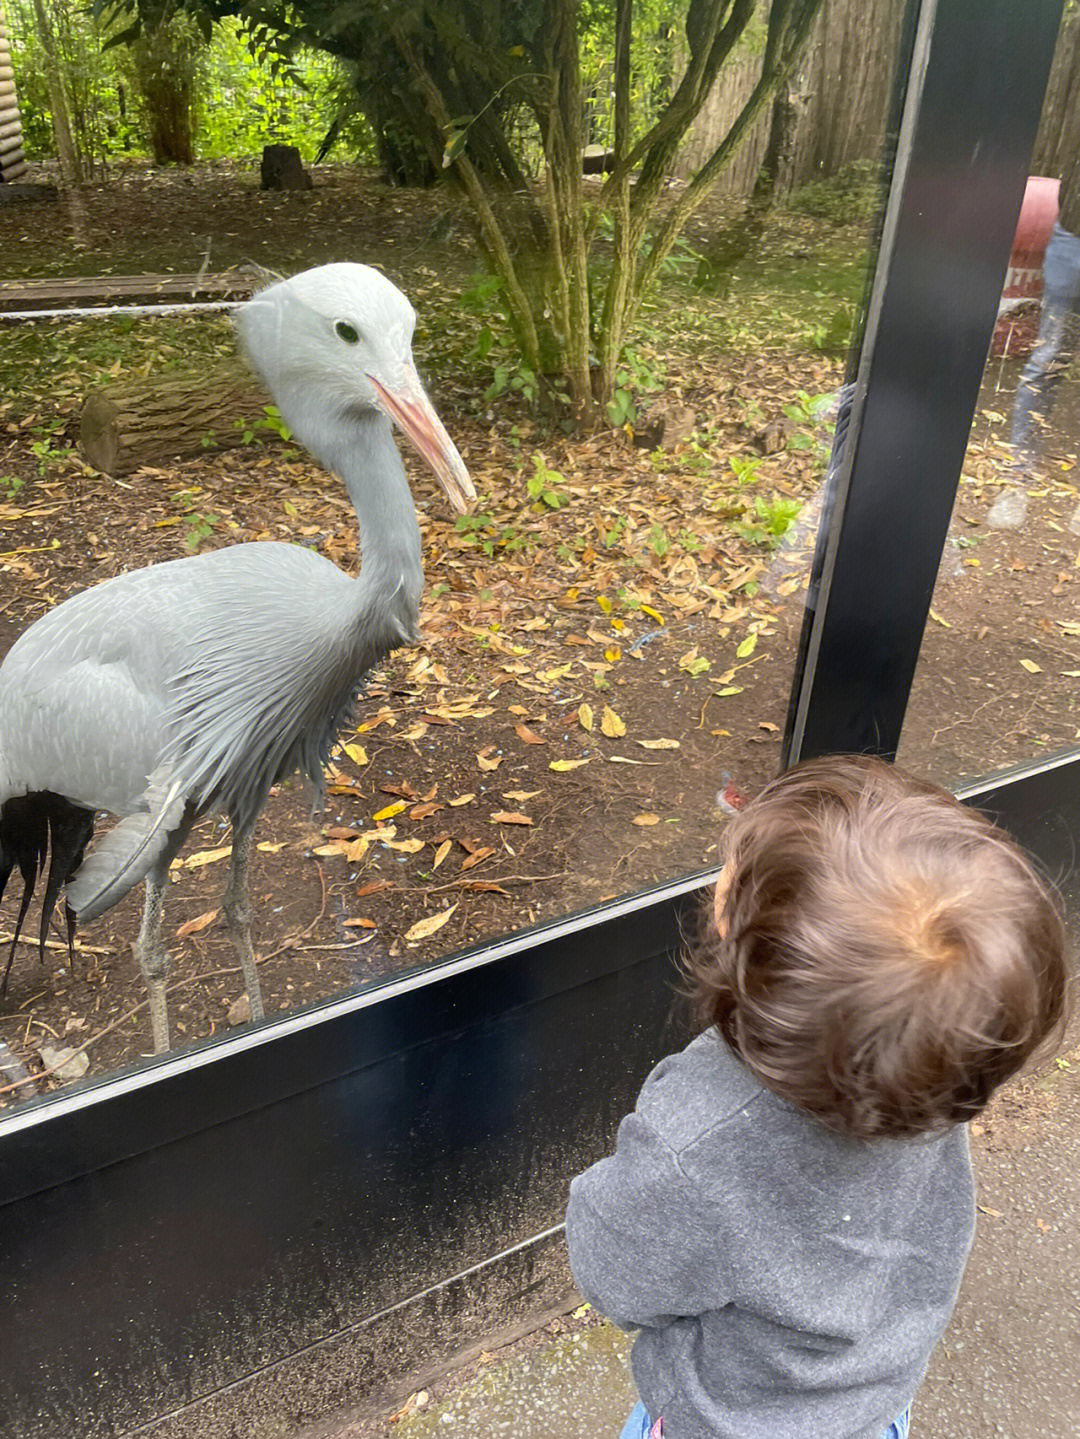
point(1056, 346)
point(639, 1424)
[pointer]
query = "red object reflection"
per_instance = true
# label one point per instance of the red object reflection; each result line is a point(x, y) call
point(1018, 316)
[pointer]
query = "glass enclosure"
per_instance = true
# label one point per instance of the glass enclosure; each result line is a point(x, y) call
point(999, 675)
point(608, 637)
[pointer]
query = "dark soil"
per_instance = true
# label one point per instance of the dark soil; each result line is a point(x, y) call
point(613, 601)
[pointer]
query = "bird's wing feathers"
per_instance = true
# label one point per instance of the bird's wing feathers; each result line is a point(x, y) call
point(123, 856)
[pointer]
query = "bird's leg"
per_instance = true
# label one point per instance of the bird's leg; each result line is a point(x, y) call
point(236, 909)
point(153, 959)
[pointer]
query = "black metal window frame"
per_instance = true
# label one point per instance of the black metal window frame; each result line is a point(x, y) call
point(184, 1238)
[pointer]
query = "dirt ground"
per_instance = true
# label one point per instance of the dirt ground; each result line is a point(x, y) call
point(591, 675)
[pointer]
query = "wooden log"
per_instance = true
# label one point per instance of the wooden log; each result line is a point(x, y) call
point(13, 172)
point(10, 144)
point(10, 127)
point(132, 423)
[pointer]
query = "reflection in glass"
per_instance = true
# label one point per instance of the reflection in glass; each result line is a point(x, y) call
point(609, 635)
point(997, 678)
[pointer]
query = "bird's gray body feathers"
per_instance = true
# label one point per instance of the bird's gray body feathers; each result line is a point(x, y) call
point(248, 661)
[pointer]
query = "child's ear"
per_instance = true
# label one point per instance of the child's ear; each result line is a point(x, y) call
point(723, 885)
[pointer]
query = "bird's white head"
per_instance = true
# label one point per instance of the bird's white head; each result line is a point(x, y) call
point(335, 343)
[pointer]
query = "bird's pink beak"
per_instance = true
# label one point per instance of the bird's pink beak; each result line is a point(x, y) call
point(412, 411)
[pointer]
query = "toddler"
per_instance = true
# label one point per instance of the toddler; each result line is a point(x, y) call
point(789, 1208)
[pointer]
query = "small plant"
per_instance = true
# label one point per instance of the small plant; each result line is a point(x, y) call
point(613, 535)
point(274, 422)
point(541, 485)
point(47, 454)
point(771, 523)
point(808, 409)
point(745, 468)
point(658, 541)
point(199, 526)
point(621, 410)
point(10, 485)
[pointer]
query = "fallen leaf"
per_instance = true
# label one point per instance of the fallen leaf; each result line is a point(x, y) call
point(611, 724)
point(372, 886)
point(748, 646)
point(728, 690)
point(405, 846)
point(767, 725)
point(359, 924)
point(519, 796)
point(442, 851)
point(206, 856)
point(645, 819)
point(422, 811)
point(488, 762)
point(562, 765)
point(357, 753)
point(461, 799)
point(658, 743)
point(486, 886)
point(484, 852)
point(425, 928)
point(505, 816)
point(1031, 667)
point(993, 1213)
point(200, 922)
point(391, 810)
point(694, 664)
point(585, 716)
point(268, 846)
point(529, 736)
point(328, 851)
point(938, 620)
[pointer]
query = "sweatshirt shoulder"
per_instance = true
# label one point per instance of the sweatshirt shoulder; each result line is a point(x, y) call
point(696, 1091)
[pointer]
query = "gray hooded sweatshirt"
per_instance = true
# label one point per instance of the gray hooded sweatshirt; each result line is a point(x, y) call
point(787, 1282)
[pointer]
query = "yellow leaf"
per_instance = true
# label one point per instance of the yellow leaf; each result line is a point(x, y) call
point(328, 851)
point(442, 851)
point(605, 604)
point(406, 846)
point(658, 743)
point(938, 620)
point(461, 799)
point(391, 810)
point(748, 646)
point(645, 819)
point(271, 846)
point(562, 765)
point(425, 928)
point(613, 654)
point(489, 763)
point(1030, 665)
point(357, 753)
point(653, 614)
point(207, 856)
point(504, 816)
point(611, 724)
point(519, 796)
point(585, 716)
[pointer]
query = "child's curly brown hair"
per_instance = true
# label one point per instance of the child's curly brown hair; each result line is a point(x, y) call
point(885, 956)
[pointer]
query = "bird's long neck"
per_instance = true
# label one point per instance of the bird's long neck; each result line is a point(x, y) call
point(387, 594)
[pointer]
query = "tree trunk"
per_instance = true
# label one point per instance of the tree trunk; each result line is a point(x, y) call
point(70, 166)
point(739, 239)
point(147, 422)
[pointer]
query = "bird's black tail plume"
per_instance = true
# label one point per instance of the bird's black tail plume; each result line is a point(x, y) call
point(30, 825)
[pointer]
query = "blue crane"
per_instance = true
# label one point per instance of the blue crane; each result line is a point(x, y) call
point(192, 687)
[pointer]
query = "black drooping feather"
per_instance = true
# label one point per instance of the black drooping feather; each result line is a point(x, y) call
point(32, 826)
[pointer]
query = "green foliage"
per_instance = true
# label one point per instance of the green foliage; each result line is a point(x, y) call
point(850, 197)
point(542, 485)
point(239, 101)
point(769, 521)
point(10, 485)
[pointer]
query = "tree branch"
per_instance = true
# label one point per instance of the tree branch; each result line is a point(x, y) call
point(783, 47)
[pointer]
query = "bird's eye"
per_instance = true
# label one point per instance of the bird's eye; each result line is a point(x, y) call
point(347, 332)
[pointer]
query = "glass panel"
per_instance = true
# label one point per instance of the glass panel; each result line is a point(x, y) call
point(998, 676)
point(609, 634)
